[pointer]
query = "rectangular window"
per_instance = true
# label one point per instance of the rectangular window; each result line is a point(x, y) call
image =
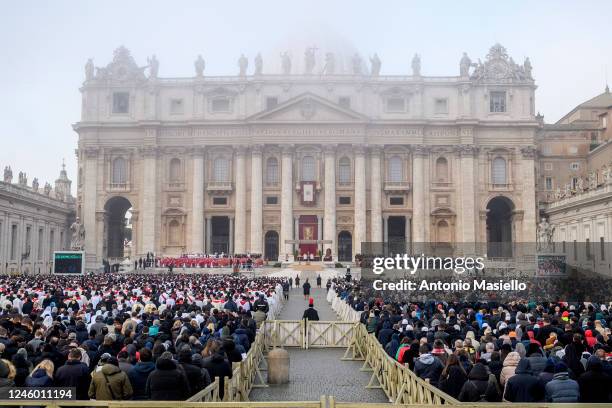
point(440, 106)
point(121, 102)
point(13, 242)
point(588, 249)
point(344, 200)
point(602, 248)
point(396, 104)
point(271, 102)
point(40, 243)
point(176, 106)
point(575, 166)
point(344, 101)
point(548, 166)
point(219, 200)
point(549, 183)
point(574, 182)
point(271, 200)
point(497, 102)
point(220, 104)
point(62, 242)
point(396, 200)
point(575, 250)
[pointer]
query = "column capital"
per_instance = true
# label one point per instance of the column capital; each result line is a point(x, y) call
point(359, 149)
point(375, 150)
point(287, 149)
point(421, 150)
point(467, 150)
point(528, 152)
point(149, 151)
point(329, 149)
point(240, 150)
point(91, 152)
point(197, 151)
point(256, 149)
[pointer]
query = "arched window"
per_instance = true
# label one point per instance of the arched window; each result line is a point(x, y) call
point(308, 168)
point(344, 171)
point(272, 171)
point(443, 232)
point(221, 169)
point(119, 171)
point(174, 237)
point(396, 173)
point(441, 169)
point(175, 170)
point(498, 171)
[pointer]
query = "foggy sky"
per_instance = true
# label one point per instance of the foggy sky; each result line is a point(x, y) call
point(45, 45)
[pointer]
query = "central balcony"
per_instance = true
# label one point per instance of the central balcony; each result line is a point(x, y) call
point(220, 187)
point(397, 187)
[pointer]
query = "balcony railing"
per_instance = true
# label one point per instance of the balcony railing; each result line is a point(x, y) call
point(220, 186)
point(175, 185)
point(397, 186)
point(500, 186)
point(119, 186)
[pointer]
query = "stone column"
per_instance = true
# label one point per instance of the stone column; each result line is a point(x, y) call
point(329, 219)
point(197, 205)
point(360, 199)
point(418, 194)
point(467, 206)
point(208, 231)
point(240, 220)
point(385, 224)
point(296, 233)
point(286, 202)
point(375, 198)
point(149, 200)
point(528, 197)
point(256, 201)
point(88, 209)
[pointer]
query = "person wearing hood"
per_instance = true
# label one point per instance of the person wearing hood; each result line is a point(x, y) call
point(480, 386)
point(509, 367)
point(140, 373)
point(561, 388)
point(167, 382)
point(22, 366)
point(384, 335)
point(392, 346)
point(548, 373)
point(110, 383)
point(74, 374)
point(427, 366)
point(523, 386)
point(595, 385)
point(42, 375)
point(537, 361)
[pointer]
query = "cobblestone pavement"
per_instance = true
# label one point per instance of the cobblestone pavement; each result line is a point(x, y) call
point(317, 372)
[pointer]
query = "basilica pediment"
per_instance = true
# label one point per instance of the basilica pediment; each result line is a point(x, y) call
point(308, 107)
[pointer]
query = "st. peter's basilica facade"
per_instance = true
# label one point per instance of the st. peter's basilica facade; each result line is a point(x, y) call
point(318, 156)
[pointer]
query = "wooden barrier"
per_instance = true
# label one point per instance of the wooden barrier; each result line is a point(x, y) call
point(401, 385)
point(210, 393)
point(328, 334)
point(247, 374)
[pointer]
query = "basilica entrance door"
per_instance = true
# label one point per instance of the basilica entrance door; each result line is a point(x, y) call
point(271, 246)
point(219, 235)
point(345, 247)
point(397, 235)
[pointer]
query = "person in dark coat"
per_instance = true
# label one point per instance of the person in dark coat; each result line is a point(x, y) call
point(318, 281)
point(297, 281)
point(427, 366)
point(306, 287)
point(479, 386)
point(193, 372)
point(595, 385)
point(167, 382)
point(140, 374)
point(392, 346)
point(74, 374)
point(311, 313)
point(232, 353)
point(218, 366)
point(22, 367)
point(562, 388)
point(453, 376)
point(523, 386)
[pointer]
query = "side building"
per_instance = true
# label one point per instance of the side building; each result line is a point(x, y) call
point(34, 221)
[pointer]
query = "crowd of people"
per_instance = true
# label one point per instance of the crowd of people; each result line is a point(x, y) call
point(519, 351)
point(130, 336)
point(244, 261)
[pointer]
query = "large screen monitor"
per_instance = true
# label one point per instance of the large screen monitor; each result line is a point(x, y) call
point(68, 262)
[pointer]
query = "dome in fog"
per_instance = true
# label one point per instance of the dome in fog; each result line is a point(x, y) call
point(322, 41)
